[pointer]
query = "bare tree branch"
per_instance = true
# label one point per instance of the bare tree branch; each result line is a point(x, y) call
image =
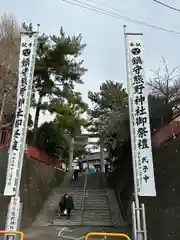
point(166, 83)
point(9, 55)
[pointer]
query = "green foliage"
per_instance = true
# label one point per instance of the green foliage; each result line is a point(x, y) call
point(52, 140)
point(57, 56)
point(109, 108)
point(49, 139)
point(57, 70)
point(160, 111)
point(69, 114)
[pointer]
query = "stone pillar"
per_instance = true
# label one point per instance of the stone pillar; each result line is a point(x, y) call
point(102, 160)
point(71, 154)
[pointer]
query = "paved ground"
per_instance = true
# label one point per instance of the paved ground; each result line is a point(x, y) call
point(66, 233)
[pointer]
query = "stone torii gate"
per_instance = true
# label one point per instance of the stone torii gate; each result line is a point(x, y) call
point(77, 140)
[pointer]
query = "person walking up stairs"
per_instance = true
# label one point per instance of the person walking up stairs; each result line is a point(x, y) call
point(49, 213)
point(92, 204)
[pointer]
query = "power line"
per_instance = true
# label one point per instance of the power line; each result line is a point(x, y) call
point(108, 6)
point(166, 5)
point(115, 15)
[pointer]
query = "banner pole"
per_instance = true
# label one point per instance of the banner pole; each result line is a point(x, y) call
point(131, 120)
point(27, 110)
point(27, 59)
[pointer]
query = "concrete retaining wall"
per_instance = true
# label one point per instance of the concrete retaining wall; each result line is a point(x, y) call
point(37, 181)
point(163, 211)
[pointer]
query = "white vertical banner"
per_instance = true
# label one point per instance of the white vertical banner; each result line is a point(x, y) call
point(13, 214)
point(142, 131)
point(26, 60)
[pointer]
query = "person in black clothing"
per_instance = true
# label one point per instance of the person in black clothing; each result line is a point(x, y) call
point(75, 173)
point(62, 204)
point(69, 206)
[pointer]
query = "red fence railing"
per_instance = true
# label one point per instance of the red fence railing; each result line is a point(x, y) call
point(41, 156)
point(32, 152)
point(165, 133)
point(5, 138)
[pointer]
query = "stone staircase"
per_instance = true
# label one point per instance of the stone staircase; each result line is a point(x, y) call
point(95, 208)
point(49, 213)
point(92, 204)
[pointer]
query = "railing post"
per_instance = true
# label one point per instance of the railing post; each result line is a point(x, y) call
point(144, 221)
point(142, 228)
point(82, 204)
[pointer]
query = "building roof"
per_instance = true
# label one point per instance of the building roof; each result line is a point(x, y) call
point(93, 156)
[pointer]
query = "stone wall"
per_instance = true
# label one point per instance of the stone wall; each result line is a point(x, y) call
point(163, 211)
point(121, 180)
point(37, 181)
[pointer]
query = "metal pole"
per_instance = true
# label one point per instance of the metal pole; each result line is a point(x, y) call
point(144, 221)
point(134, 220)
point(139, 234)
point(19, 219)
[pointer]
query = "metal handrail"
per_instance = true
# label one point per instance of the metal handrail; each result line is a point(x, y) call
point(107, 197)
point(82, 204)
point(121, 207)
point(11, 233)
point(104, 234)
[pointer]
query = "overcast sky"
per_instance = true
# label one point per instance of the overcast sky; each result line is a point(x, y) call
point(104, 54)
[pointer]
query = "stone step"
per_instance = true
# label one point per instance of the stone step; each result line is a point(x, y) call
point(76, 212)
point(74, 195)
point(60, 194)
point(96, 204)
point(94, 193)
point(75, 215)
point(96, 214)
point(95, 190)
point(95, 196)
point(65, 222)
point(100, 220)
point(95, 207)
point(96, 200)
point(69, 191)
point(99, 224)
point(97, 218)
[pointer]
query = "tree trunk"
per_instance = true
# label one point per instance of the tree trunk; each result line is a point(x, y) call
point(36, 119)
